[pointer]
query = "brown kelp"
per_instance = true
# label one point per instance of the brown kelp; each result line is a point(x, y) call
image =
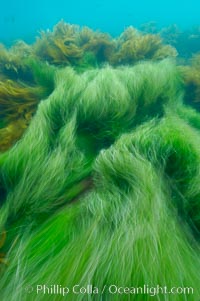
point(133, 46)
point(58, 47)
point(191, 77)
point(19, 100)
point(13, 62)
point(186, 41)
point(101, 45)
point(67, 45)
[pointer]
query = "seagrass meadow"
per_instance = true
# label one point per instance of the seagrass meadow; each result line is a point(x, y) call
point(99, 168)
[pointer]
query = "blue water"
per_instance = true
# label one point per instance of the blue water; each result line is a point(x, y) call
point(23, 19)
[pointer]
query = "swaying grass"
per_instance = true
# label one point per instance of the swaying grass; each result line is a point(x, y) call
point(104, 188)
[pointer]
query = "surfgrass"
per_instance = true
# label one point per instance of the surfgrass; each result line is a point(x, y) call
point(103, 188)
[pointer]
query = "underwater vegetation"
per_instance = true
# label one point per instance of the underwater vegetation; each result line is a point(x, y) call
point(58, 47)
point(185, 41)
point(13, 62)
point(82, 48)
point(26, 71)
point(19, 100)
point(72, 45)
point(101, 45)
point(67, 45)
point(17, 104)
point(99, 164)
point(133, 46)
point(103, 187)
point(191, 76)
